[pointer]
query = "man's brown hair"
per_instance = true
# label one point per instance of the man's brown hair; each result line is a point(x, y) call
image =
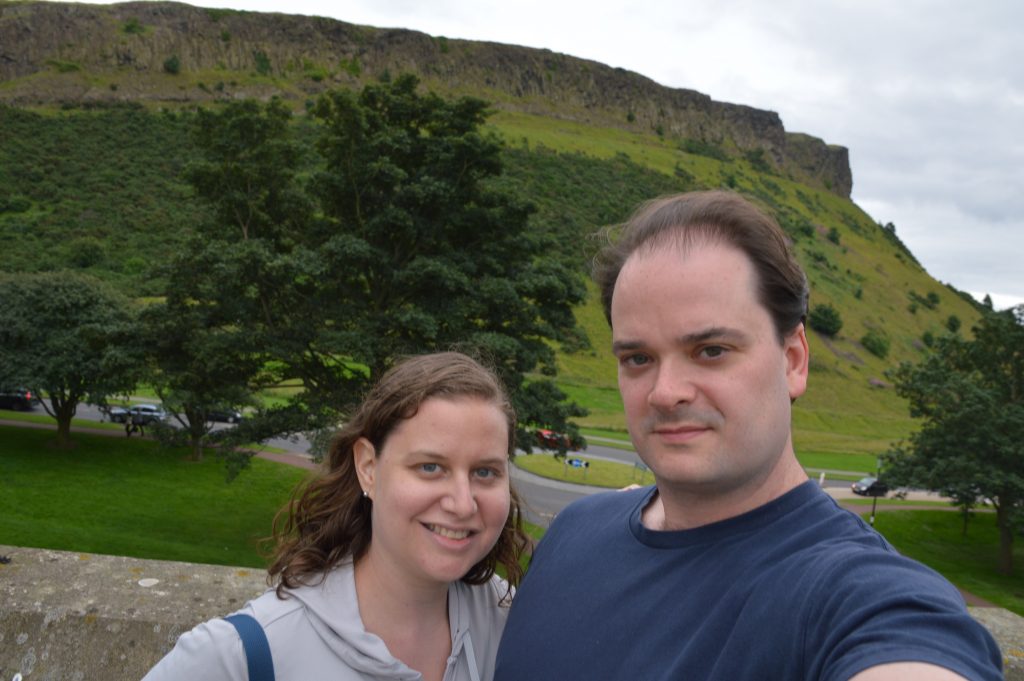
point(713, 217)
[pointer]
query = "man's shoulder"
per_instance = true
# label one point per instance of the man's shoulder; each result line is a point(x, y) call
point(602, 507)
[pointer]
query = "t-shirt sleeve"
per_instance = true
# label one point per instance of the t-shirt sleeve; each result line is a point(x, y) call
point(210, 652)
point(882, 608)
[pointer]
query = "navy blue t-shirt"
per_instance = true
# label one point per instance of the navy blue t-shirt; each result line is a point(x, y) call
point(797, 589)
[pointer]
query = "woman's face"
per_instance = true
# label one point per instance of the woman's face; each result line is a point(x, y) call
point(440, 489)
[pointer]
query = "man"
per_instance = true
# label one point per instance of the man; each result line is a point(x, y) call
point(734, 565)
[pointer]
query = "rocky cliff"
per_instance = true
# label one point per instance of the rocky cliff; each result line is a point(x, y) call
point(169, 52)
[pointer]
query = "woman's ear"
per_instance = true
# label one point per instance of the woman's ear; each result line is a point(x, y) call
point(364, 455)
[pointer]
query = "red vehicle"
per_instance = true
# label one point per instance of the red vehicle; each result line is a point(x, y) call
point(550, 439)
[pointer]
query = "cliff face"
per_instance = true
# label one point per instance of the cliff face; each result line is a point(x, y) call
point(54, 52)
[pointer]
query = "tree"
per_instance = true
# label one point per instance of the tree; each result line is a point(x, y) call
point(825, 319)
point(407, 247)
point(197, 363)
point(970, 395)
point(69, 338)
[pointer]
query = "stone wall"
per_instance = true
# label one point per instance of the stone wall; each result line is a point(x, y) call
point(82, 616)
point(79, 616)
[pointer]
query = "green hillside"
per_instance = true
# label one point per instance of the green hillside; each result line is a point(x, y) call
point(99, 189)
point(852, 263)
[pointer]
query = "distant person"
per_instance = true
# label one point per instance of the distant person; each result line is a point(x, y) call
point(138, 421)
point(733, 566)
point(384, 566)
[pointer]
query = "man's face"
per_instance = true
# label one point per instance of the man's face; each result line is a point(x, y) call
point(705, 382)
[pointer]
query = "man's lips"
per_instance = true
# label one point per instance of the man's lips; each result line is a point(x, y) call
point(680, 433)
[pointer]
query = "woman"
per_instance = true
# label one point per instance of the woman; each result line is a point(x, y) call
point(385, 561)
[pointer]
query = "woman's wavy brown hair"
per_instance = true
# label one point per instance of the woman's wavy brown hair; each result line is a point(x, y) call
point(328, 519)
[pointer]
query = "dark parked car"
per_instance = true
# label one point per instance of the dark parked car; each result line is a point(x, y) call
point(224, 415)
point(142, 414)
point(870, 487)
point(18, 399)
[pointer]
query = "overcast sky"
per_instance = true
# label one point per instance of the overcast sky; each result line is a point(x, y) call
point(928, 96)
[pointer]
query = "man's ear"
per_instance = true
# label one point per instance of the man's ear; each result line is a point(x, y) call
point(364, 455)
point(798, 357)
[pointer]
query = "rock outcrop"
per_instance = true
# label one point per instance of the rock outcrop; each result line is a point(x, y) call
point(171, 52)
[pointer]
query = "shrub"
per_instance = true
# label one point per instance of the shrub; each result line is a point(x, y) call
point(953, 323)
point(825, 319)
point(757, 161)
point(133, 27)
point(172, 65)
point(262, 62)
point(928, 338)
point(875, 342)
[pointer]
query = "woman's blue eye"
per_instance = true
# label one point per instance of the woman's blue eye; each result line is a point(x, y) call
point(429, 467)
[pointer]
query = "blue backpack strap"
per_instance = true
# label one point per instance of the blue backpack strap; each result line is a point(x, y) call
point(257, 651)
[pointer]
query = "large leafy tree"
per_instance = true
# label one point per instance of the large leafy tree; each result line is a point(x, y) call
point(424, 252)
point(69, 338)
point(404, 245)
point(970, 397)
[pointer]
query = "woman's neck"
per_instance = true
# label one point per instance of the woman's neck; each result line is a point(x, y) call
point(411, 618)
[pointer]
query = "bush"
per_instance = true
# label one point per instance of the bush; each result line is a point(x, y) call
point(262, 62)
point(133, 27)
point(953, 323)
point(172, 65)
point(825, 319)
point(875, 342)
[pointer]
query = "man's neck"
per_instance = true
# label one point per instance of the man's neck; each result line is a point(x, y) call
point(685, 507)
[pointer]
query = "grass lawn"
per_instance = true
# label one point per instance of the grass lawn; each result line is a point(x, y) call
point(599, 474)
point(935, 539)
point(40, 416)
point(133, 498)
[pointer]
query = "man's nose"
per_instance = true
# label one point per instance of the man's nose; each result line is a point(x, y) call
point(673, 386)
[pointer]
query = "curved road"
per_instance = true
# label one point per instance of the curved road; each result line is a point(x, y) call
point(542, 498)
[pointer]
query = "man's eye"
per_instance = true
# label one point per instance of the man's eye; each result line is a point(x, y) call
point(635, 360)
point(712, 351)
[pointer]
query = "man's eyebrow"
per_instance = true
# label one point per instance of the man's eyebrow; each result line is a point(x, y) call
point(712, 333)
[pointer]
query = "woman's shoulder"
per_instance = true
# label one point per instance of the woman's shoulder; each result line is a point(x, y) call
point(485, 604)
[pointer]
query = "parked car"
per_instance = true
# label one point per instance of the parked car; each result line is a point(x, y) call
point(147, 413)
point(18, 399)
point(224, 415)
point(550, 439)
point(870, 487)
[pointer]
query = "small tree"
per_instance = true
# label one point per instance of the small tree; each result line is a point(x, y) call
point(68, 337)
point(953, 323)
point(825, 319)
point(970, 396)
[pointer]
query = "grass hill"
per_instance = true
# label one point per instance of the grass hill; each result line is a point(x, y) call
point(91, 151)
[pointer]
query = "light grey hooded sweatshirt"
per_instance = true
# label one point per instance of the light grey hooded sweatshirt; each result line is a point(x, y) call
point(317, 633)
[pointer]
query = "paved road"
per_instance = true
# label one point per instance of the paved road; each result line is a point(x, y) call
point(542, 498)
